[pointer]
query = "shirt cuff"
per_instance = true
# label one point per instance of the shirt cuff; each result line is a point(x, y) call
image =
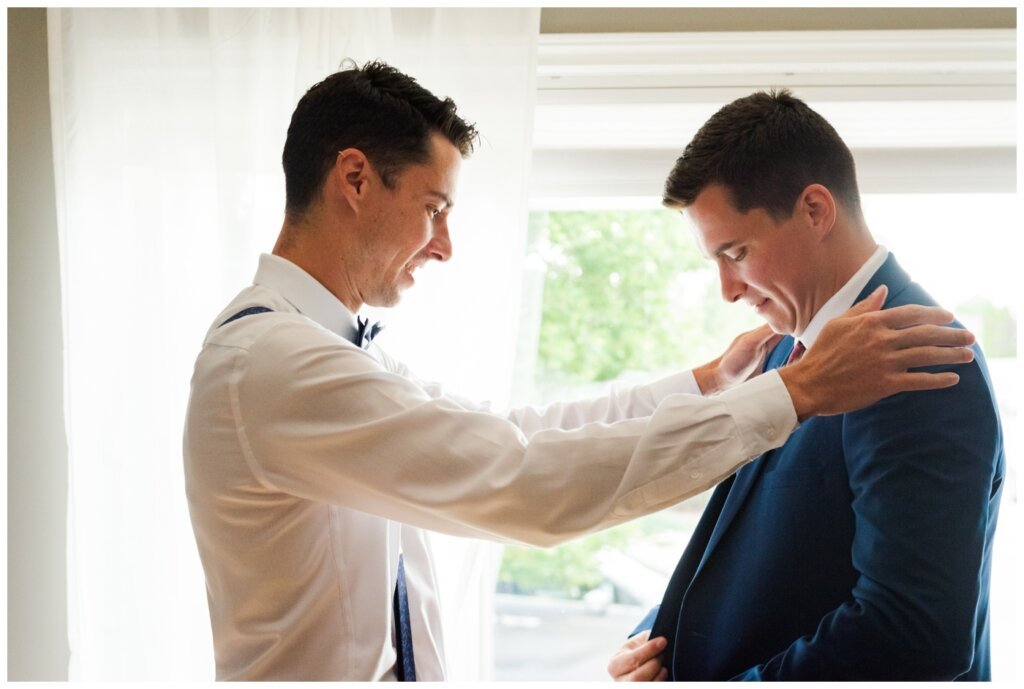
point(678, 383)
point(763, 411)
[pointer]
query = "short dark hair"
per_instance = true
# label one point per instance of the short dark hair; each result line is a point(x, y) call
point(765, 149)
point(376, 108)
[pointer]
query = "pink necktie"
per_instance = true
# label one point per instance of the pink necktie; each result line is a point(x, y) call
point(798, 351)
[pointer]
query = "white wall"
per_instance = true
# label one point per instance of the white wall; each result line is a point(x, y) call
point(37, 646)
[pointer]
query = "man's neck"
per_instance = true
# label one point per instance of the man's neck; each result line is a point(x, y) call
point(850, 259)
point(315, 249)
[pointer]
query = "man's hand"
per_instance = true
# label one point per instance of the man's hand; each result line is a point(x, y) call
point(638, 661)
point(741, 361)
point(863, 356)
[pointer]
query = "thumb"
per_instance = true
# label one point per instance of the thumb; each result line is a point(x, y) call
point(872, 302)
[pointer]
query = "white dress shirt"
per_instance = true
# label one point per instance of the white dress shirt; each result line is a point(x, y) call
point(844, 297)
point(311, 463)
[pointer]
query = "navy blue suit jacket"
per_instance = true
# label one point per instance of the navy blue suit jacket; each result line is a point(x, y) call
point(860, 549)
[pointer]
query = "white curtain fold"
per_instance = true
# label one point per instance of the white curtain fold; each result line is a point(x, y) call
point(168, 130)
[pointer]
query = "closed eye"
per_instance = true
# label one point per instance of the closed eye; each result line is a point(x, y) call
point(740, 255)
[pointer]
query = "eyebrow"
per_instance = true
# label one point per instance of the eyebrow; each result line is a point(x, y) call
point(722, 248)
point(444, 197)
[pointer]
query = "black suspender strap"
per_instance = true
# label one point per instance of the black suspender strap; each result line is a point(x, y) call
point(245, 312)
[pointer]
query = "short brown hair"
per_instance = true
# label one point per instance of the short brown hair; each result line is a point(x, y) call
point(376, 108)
point(765, 149)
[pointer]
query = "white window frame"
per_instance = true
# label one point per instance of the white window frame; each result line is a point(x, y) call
point(615, 110)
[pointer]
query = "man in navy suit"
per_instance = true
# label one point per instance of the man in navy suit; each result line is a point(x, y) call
point(862, 548)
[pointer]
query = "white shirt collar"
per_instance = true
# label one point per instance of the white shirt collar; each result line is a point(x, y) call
point(844, 298)
point(306, 294)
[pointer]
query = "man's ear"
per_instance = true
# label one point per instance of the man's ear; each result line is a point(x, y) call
point(349, 178)
point(817, 207)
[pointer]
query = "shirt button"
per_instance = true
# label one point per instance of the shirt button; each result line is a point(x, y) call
point(695, 475)
point(770, 434)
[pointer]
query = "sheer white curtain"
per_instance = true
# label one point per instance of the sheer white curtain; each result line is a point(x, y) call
point(168, 129)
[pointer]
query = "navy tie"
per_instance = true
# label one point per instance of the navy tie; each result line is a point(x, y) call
point(405, 665)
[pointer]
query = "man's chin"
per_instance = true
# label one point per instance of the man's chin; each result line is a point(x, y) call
point(777, 327)
point(385, 301)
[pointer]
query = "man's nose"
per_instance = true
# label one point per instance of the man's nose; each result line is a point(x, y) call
point(732, 287)
point(440, 247)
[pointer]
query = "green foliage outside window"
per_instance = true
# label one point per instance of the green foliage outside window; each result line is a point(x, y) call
point(572, 569)
point(567, 571)
point(607, 300)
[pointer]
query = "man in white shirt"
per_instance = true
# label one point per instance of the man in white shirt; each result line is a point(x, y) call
point(861, 548)
point(313, 459)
